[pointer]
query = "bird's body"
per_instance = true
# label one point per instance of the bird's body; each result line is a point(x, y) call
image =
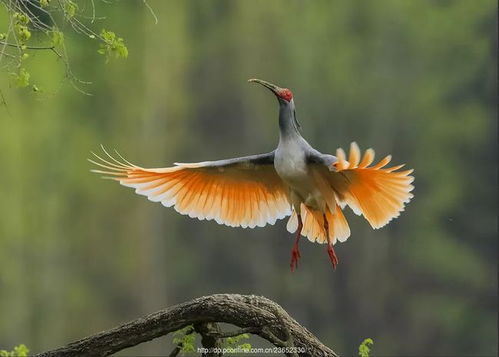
point(295, 179)
point(292, 166)
point(290, 163)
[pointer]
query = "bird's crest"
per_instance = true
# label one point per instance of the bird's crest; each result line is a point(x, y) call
point(285, 94)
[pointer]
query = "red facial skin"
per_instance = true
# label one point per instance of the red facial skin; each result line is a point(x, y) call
point(285, 94)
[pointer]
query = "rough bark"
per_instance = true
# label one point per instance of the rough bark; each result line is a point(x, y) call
point(253, 314)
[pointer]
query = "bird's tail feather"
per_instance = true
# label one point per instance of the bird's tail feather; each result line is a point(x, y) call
point(313, 225)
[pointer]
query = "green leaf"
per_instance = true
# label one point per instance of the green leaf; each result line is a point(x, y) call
point(21, 79)
point(112, 46)
point(44, 3)
point(23, 33)
point(21, 18)
point(234, 342)
point(57, 38)
point(364, 347)
point(70, 8)
point(244, 346)
point(185, 338)
point(18, 351)
point(21, 351)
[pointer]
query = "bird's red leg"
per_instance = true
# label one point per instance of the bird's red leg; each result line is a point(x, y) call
point(330, 249)
point(295, 252)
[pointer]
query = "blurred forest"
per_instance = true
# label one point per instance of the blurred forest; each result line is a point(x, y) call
point(416, 79)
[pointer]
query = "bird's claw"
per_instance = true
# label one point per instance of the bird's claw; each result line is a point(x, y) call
point(332, 256)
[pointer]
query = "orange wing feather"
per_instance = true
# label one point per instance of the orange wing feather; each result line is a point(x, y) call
point(376, 192)
point(237, 194)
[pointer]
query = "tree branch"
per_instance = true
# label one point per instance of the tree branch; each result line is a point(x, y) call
point(238, 332)
point(3, 43)
point(207, 330)
point(254, 314)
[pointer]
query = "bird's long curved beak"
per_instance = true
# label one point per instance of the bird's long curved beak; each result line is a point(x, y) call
point(275, 89)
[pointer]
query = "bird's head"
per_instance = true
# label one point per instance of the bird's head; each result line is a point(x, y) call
point(287, 113)
point(284, 95)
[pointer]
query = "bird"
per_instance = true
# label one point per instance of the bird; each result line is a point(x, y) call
point(293, 180)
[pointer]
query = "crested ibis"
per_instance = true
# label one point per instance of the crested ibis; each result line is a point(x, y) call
point(293, 180)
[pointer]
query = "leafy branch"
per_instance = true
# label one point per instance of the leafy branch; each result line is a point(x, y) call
point(46, 17)
point(364, 347)
point(18, 351)
point(184, 339)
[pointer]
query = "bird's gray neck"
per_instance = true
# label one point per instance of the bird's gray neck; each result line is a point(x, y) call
point(288, 125)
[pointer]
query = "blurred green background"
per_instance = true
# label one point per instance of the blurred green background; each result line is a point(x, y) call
point(416, 79)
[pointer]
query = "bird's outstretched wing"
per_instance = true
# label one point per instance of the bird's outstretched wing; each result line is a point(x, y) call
point(244, 191)
point(376, 192)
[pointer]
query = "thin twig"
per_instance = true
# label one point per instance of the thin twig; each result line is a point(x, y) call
point(151, 11)
point(27, 47)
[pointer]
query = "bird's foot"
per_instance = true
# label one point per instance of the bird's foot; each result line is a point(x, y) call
point(295, 256)
point(332, 256)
